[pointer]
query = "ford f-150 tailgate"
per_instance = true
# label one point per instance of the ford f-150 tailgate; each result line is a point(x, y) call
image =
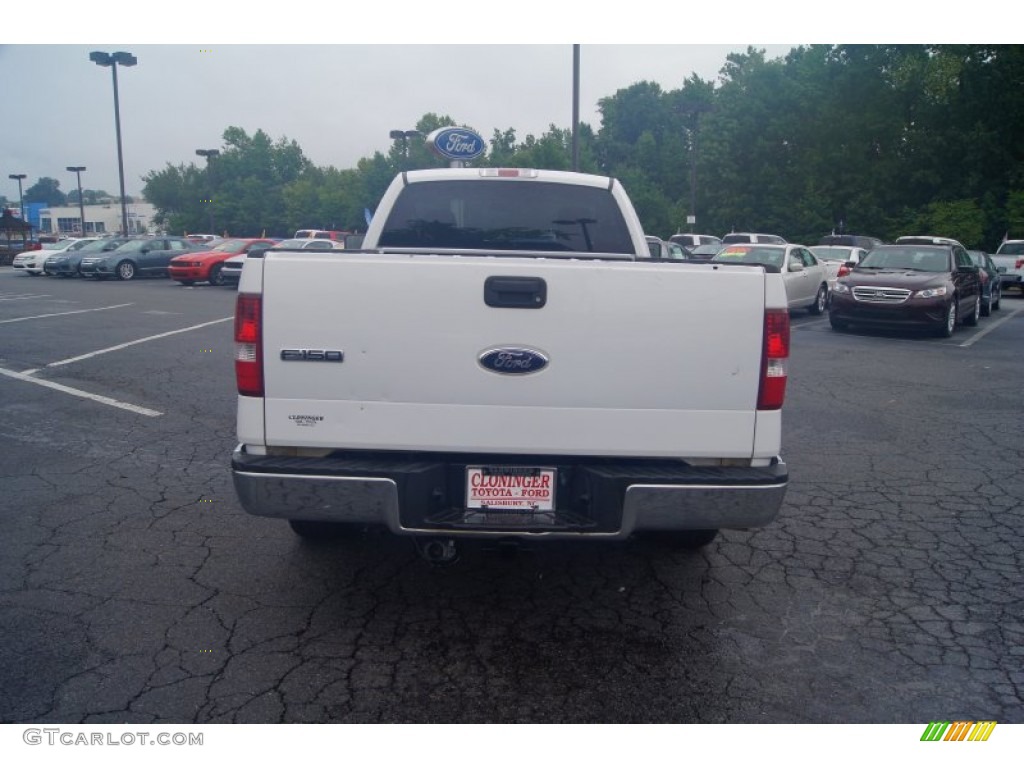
point(419, 352)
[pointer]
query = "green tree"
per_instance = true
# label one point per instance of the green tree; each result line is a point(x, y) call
point(248, 180)
point(46, 190)
point(552, 150)
point(245, 183)
point(176, 193)
point(90, 196)
point(502, 148)
point(1014, 220)
point(872, 139)
point(962, 220)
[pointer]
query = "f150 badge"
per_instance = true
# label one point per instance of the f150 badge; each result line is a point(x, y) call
point(513, 361)
point(312, 355)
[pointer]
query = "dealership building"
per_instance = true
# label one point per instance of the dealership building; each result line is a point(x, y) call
point(101, 219)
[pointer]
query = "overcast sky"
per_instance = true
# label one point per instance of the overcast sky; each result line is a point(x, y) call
point(338, 100)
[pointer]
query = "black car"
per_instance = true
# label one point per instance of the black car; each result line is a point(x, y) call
point(934, 287)
point(705, 252)
point(991, 283)
point(67, 264)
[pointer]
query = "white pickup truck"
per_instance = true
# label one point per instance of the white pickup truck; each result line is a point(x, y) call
point(1009, 261)
point(503, 359)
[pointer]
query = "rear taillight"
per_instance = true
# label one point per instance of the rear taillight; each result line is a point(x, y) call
point(843, 271)
point(249, 344)
point(1019, 264)
point(773, 360)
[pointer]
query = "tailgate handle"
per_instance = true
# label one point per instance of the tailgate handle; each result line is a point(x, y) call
point(515, 292)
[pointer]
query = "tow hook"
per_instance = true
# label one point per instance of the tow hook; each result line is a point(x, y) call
point(437, 551)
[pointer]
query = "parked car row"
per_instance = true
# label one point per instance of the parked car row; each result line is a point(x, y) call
point(32, 261)
point(188, 260)
point(920, 281)
point(146, 257)
point(67, 264)
point(691, 241)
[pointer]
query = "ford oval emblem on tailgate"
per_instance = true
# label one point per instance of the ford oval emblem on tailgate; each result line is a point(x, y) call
point(513, 360)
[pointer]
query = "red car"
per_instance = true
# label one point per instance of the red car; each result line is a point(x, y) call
point(205, 266)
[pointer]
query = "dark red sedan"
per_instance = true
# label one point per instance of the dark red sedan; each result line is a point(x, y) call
point(934, 287)
point(205, 266)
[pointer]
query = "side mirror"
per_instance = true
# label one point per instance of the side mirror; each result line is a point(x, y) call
point(795, 267)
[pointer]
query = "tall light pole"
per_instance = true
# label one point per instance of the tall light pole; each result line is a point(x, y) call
point(695, 109)
point(575, 107)
point(405, 136)
point(112, 60)
point(21, 201)
point(77, 170)
point(208, 154)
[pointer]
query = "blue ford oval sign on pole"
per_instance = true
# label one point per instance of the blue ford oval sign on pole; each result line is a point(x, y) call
point(456, 145)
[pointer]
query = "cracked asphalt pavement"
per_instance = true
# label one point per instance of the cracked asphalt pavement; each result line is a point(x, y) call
point(134, 589)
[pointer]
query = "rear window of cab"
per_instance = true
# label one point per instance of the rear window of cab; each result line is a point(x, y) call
point(507, 216)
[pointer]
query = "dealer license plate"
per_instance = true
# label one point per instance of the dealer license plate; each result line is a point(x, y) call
point(524, 489)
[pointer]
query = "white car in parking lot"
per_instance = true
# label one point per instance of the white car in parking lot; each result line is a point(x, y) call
point(837, 260)
point(1009, 260)
point(804, 276)
point(690, 241)
point(33, 262)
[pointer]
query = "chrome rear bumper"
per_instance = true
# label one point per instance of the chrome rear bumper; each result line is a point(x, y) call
point(311, 489)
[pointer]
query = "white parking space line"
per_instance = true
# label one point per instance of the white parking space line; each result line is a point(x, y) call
point(88, 355)
point(80, 393)
point(59, 314)
point(797, 324)
point(991, 327)
point(23, 296)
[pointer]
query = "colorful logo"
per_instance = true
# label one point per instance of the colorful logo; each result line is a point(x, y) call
point(961, 730)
